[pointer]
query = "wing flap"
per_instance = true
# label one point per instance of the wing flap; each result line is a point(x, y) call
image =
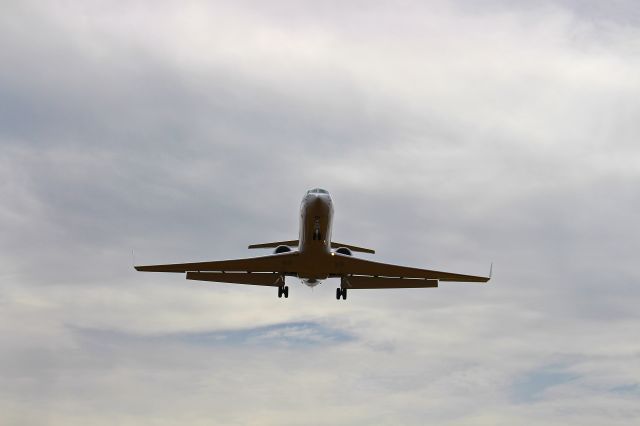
point(266, 279)
point(347, 265)
point(281, 263)
point(355, 281)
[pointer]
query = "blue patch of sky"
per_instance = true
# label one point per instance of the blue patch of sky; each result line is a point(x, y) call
point(530, 387)
point(288, 334)
point(299, 334)
point(629, 389)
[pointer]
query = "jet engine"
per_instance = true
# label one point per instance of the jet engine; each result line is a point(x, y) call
point(282, 249)
point(344, 250)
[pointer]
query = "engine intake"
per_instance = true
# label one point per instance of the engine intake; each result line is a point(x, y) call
point(344, 250)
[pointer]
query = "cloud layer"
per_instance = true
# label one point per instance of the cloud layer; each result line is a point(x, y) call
point(450, 134)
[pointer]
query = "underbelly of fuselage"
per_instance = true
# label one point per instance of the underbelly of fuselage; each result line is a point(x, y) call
point(310, 282)
point(315, 236)
point(312, 278)
point(314, 267)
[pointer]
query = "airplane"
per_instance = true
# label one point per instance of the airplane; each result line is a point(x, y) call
point(316, 258)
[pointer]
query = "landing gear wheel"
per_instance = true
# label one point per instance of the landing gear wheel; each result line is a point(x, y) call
point(283, 290)
point(341, 292)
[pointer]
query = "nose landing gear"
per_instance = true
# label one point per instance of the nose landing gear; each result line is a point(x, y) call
point(283, 290)
point(341, 292)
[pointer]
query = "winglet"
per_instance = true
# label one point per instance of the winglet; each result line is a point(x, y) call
point(491, 270)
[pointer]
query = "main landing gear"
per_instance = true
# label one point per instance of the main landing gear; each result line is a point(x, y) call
point(283, 290)
point(341, 292)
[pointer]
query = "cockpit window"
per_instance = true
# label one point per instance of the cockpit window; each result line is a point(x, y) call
point(317, 191)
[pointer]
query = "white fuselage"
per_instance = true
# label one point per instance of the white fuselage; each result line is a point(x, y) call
point(316, 216)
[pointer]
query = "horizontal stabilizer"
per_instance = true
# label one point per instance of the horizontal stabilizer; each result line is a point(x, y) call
point(355, 281)
point(335, 245)
point(268, 279)
point(290, 243)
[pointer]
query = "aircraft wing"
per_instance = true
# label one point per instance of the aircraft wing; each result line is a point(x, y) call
point(347, 265)
point(281, 263)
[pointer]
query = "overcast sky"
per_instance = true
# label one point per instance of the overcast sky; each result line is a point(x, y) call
point(450, 134)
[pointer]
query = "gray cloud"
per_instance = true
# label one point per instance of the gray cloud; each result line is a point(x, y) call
point(450, 134)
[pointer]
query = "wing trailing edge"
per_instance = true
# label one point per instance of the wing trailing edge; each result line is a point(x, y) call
point(364, 282)
point(259, 278)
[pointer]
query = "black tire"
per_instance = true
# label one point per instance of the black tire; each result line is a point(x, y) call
point(286, 291)
point(279, 292)
point(344, 294)
point(338, 293)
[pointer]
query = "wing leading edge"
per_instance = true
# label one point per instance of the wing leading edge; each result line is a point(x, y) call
point(347, 265)
point(280, 263)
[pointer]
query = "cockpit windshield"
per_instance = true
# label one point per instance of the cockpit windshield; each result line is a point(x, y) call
point(317, 191)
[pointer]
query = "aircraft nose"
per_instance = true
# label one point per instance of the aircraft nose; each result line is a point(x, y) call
point(319, 202)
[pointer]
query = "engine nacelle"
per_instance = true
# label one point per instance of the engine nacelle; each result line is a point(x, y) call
point(282, 249)
point(344, 250)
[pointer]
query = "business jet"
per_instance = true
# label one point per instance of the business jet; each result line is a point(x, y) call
point(313, 257)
